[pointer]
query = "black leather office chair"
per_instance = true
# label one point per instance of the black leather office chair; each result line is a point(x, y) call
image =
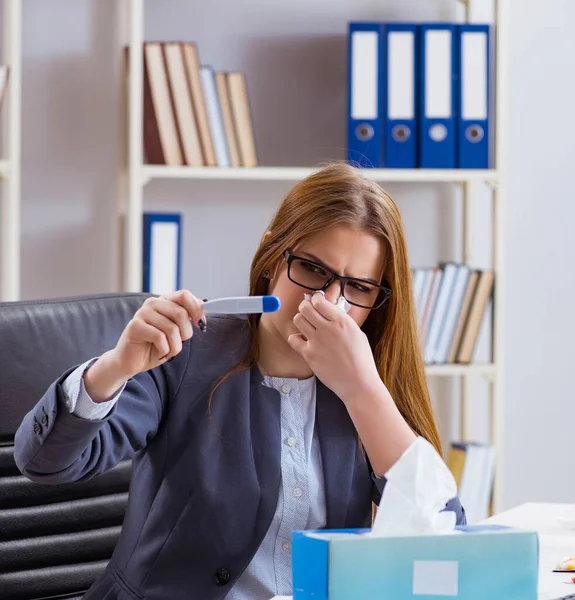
point(55, 540)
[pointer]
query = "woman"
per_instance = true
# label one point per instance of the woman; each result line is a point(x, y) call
point(242, 430)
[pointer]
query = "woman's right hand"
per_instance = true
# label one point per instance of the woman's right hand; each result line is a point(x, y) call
point(154, 335)
point(156, 332)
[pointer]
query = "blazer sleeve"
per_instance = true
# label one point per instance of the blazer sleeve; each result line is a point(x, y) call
point(53, 445)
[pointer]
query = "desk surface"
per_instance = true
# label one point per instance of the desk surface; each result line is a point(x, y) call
point(555, 542)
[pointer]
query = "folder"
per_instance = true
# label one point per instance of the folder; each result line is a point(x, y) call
point(162, 252)
point(242, 118)
point(192, 62)
point(474, 97)
point(215, 117)
point(428, 275)
point(482, 296)
point(463, 313)
point(228, 117)
point(454, 306)
point(364, 89)
point(161, 139)
point(438, 69)
point(418, 281)
point(183, 107)
point(429, 303)
point(438, 315)
point(400, 41)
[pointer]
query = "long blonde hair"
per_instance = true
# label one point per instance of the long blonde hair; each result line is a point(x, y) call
point(339, 195)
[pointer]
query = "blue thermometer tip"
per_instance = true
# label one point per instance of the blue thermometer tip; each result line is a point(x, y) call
point(270, 304)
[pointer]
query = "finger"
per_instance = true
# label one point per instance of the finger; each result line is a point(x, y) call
point(326, 308)
point(149, 333)
point(167, 327)
point(304, 325)
point(176, 313)
point(308, 310)
point(297, 342)
point(193, 306)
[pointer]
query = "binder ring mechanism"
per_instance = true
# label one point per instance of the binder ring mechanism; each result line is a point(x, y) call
point(401, 133)
point(364, 132)
point(438, 132)
point(474, 133)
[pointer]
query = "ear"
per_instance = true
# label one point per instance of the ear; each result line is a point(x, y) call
point(266, 235)
point(272, 272)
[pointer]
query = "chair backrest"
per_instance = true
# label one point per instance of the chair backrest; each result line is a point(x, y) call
point(55, 540)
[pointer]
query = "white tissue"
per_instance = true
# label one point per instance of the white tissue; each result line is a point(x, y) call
point(342, 303)
point(418, 487)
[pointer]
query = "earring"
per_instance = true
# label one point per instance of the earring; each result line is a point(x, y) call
point(266, 274)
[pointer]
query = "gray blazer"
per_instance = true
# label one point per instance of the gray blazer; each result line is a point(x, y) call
point(205, 484)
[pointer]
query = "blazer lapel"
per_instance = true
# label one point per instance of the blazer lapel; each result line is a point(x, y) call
point(338, 443)
point(265, 417)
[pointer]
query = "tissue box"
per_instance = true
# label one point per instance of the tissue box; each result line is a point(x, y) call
point(472, 563)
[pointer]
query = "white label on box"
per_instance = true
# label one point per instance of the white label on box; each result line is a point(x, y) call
point(435, 577)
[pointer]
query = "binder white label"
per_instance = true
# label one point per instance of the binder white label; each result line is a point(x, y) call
point(435, 577)
point(438, 74)
point(364, 60)
point(164, 258)
point(474, 76)
point(401, 75)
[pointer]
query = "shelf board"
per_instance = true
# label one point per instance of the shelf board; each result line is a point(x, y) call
point(3, 168)
point(486, 369)
point(150, 172)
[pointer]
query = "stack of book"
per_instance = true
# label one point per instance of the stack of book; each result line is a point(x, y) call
point(194, 115)
point(451, 300)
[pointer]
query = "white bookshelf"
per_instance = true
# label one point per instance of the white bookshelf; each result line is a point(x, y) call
point(134, 176)
point(149, 172)
point(487, 370)
point(11, 153)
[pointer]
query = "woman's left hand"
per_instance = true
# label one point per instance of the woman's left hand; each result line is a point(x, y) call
point(335, 348)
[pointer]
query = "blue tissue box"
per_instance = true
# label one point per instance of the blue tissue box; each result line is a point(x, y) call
point(473, 563)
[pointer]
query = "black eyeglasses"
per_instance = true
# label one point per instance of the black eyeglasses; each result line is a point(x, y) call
point(313, 276)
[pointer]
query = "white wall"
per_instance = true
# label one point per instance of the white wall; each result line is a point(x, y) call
point(294, 54)
point(540, 412)
point(69, 129)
